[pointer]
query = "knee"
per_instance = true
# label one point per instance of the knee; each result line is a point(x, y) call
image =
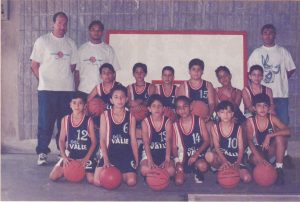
point(144, 170)
point(202, 166)
point(209, 157)
point(280, 141)
point(171, 171)
point(246, 178)
point(131, 181)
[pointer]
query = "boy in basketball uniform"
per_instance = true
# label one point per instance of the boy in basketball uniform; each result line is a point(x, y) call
point(167, 90)
point(228, 141)
point(157, 138)
point(266, 135)
point(256, 75)
point(191, 140)
point(118, 141)
point(78, 131)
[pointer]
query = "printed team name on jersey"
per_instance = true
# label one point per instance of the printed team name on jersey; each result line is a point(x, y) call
point(74, 144)
point(191, 151)
point(228, 153)
point(157, 145)
point(118, 139)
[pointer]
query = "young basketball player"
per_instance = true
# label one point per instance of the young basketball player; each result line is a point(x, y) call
point(198, 89)
point(118, 141)
point(157, 138)
point(255, 87)
point(191, 141)
point(78, 131)
point(228, 141)
point(266, 135)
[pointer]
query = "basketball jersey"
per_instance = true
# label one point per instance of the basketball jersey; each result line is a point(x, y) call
point(263, 90)
point(157, 140)
point(189, 142)
point(229, 145)
point(197, 94)
point(144, 95)
point(260, 136)
point(105, 96)
point(221, 96)
point(118, 138)
point(169, 100)
point(78, 138)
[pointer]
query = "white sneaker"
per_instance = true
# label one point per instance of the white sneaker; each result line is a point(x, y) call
point(42, 160)
point(199, 178)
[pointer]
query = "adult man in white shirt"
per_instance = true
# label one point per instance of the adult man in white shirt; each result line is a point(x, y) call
point(53, 61)
point(278, 68)
point(92, 55)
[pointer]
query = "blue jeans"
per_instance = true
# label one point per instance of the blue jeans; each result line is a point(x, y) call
point(52, 107)
point(282, 109)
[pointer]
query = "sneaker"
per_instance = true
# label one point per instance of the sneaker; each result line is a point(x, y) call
point(42, 160)
point(199, 177)
point(213, 169)
point(288, 162)
point(280, 176)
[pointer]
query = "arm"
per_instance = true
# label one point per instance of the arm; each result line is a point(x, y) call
point(93, 143)
point(133, 141)
point(92, 94)
point(103, 140)
point(238, 98)
point(76, 79)
point(211, 98)
point(152, 89)
point(240, 146)
point(146, 142)
point(269, 92)
point(290, 73)
point(169, 141)
point(217, 145)
point(247, 100)
point(35, 66)
point(62, 142)
point(180, 90)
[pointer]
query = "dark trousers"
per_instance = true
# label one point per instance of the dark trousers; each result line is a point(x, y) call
point(53, 106)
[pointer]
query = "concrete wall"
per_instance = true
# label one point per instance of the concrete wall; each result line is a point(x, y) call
point(31, 18)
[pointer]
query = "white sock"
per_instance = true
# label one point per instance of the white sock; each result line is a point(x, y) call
point(285, 153)
point(279, 165)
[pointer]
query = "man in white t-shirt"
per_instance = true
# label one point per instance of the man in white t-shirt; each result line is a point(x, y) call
point(53, 61)
point(278, 68)
point(92, 55)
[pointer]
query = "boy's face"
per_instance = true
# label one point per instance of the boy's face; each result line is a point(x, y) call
point(195, 72)
point(225, 115)
point(183, 109)
point(167, 77)
point(256, 77)
point(95, 33)
point(224, 78)
point(139, 74)
point(262, 109)
point(77, 105)
point(268, 37)
point(118, 99)
point(156, 108)
point(107, 75)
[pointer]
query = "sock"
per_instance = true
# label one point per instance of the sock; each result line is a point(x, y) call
point(285, 153)
point(279, 165)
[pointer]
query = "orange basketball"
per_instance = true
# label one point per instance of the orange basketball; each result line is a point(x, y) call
point(228, 177)
point(158, 179)
point(74, 172)
point(199, 108)
point(139, 111)
point(264, 174)
point(96, 106)
point(168, 112)
point(110, 178)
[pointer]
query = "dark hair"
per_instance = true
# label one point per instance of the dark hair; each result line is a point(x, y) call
point(196, 61)
point(168, 68)
point(62, 14)
point(107, 65)
point(155, 97)
point(96, 22)
point(225, 104)
point(256, 67)
point(139, 65)
point(183, 98)
point(78, 94)
point(261, 98)
point(119, 87)
point(268, 26)
point(222, 68)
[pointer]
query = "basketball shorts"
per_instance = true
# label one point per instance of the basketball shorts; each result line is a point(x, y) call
point(89, 167)
point(189, 169)
point(157, 159)
point(125, 164)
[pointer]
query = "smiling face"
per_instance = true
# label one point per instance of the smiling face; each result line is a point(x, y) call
point(167, 77)
point(224, 78)
point(262, 109)
point(256, 76)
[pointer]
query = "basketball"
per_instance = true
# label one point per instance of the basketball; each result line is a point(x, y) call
point(264, 174)
point(110, 178)
point(228, 177)
point(168, 112)
point(74, 172)
point(199, 108)
point(96, 106)
point(158, 179)
point(139, 112)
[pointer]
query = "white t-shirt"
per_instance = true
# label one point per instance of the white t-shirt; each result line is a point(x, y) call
point(276, 61)
point(91, 57)
point(55, 56)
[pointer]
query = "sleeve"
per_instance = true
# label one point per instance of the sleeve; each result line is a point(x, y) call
point(254, 59)
point(288, 61)
point(37, 51)
point(114, 59)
